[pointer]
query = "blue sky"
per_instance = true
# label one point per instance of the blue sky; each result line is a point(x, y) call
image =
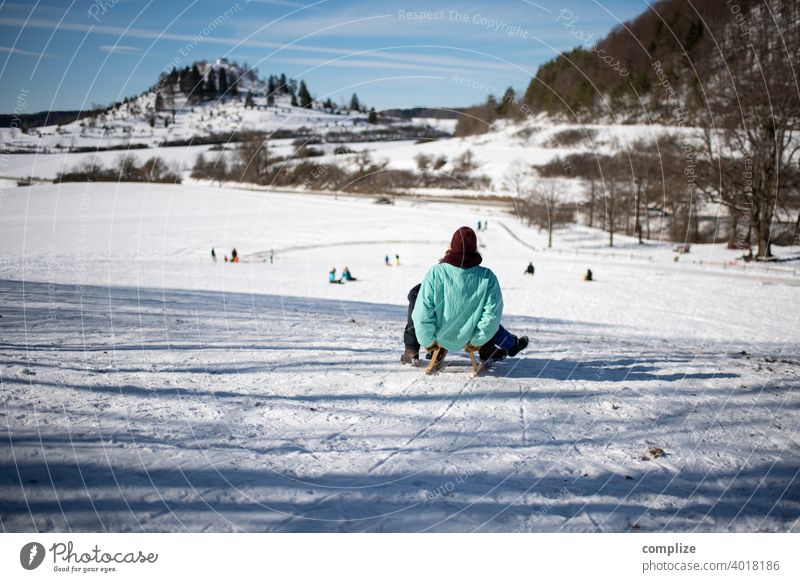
point(71, 54)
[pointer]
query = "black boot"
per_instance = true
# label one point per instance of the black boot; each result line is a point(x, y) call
point(522, 343)
point(489, 351)
point(410, 356)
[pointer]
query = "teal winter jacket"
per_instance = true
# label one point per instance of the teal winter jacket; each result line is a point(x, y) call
point(457, 306)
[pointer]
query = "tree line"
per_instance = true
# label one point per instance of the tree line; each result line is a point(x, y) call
point(253, 162)
point(725, 75)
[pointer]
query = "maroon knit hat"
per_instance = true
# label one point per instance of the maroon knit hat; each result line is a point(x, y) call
point(463, 251)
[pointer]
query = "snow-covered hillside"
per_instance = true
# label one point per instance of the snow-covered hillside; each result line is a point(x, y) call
point(174, 123)
point(165, 115)
point(495, 153)
point(125, 129)
point(145, 387)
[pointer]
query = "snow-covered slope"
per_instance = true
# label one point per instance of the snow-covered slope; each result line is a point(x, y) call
point(122, 129)
point(166, 114)
point(145, 387)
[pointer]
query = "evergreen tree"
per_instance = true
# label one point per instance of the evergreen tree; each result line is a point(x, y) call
point(373, 117)
point(507, 102)
point(210, 86)
point(294, 101)
point(159, 105)
point(282, 86)
point(223, 81)
point(355, 105)
point(305, 96)
point(248, 101)
point(271, 88)
point(192, 87)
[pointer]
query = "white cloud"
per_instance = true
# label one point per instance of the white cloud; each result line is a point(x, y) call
point(120, 49)
point(24, 53)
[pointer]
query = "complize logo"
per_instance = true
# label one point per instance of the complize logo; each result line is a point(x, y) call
point(31, 555)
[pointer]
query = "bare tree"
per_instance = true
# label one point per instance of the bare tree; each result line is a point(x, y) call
point(546, 208)
point(423, 161)
point(755, 114)
point(127, 167)
point(253, 155)
point(517, 181)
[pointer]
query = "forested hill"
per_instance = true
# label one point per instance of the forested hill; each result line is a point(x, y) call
point(638, 71)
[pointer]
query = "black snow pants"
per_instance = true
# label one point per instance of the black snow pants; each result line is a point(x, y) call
point(409, 336)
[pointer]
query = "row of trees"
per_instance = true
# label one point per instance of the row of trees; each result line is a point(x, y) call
point(660, 189)
point(728, 69)
point(481, 118)
point(125, 168)
point(220, 81)
point(196, 86)
point(643, 192)
point(252, 162)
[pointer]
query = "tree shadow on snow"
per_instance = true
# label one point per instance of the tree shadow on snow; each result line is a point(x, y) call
point(56, 497)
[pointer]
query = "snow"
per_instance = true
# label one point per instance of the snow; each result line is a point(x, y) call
point(528, 142)
point(145, 388)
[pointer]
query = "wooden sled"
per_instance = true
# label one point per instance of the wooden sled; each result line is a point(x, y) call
point(436, 364)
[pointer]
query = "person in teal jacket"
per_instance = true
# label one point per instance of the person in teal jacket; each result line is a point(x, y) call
point(459, 303)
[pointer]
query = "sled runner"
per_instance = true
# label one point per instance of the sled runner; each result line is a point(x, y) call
point(439, 353)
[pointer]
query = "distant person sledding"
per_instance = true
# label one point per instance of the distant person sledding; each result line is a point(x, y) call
point(234, 256)
point(458, 306)
point(213, 255)
point(530, 270)
point(347, 275)
point(587, 276)
point(332, 277)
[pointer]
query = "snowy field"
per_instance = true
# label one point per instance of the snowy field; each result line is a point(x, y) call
point(146, 388)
